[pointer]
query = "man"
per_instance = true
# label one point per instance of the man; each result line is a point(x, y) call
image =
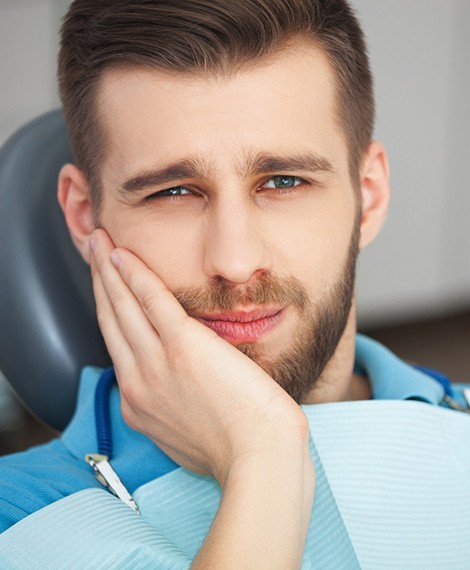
point(226, 179)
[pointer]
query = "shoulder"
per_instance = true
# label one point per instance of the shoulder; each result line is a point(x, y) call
point(33, 479)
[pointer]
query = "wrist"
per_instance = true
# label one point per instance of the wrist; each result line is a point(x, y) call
point(266, 446)
point(265, 511)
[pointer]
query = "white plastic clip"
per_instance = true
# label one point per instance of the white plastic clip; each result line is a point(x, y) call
point(110, 479)
point(466, 394)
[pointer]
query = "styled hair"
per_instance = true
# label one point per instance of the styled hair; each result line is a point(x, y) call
point(205, 36)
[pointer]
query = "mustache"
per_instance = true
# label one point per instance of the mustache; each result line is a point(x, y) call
point(219, 294)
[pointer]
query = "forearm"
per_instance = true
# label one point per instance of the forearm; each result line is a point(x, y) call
point(264, 515)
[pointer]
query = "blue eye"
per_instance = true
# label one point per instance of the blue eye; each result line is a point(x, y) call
point(175, 192)
point(282, 181)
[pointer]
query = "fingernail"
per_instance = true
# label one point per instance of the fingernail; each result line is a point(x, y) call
point(116, 259)
point(93, 242)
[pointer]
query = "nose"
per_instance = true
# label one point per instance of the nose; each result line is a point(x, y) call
point(236, 247)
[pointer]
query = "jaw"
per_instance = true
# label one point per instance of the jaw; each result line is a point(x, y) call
point(338, 381)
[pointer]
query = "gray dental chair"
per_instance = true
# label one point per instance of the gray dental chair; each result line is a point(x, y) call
point(48, 329)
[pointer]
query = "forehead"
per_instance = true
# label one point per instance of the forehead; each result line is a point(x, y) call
point(282, 104)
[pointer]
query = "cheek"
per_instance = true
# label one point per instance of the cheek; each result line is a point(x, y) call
point(314, 247)
point(171, 254)
point(171, 257)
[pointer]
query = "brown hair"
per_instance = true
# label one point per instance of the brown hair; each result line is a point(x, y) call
point(215, 36)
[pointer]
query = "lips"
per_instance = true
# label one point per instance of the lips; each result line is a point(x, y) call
point(242, 326)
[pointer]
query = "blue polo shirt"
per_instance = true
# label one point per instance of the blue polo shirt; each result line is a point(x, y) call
point(35, 478)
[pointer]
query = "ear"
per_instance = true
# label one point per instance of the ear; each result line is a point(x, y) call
point(75, 200)
point(375, 192)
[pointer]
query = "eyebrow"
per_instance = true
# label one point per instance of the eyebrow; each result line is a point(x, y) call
point(261, 162)
point(248, 165)
point(183, 169)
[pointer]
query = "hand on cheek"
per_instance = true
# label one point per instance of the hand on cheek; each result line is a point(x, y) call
point(200, 399)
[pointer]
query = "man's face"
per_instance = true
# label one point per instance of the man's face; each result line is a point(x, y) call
point(236, 192)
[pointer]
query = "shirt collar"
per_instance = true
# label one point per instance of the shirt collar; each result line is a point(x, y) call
point(391, 378)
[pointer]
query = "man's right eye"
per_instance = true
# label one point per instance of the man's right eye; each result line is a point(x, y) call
point(170, 193)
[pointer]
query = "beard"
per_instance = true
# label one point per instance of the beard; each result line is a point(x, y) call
point(298, 369)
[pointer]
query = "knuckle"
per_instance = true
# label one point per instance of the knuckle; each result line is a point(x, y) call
point(128, 415)
point(129, 395)
point(120, 308)
point(147, 300)
point(115, 298)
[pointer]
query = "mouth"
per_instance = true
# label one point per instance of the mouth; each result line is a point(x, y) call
point(242, 326)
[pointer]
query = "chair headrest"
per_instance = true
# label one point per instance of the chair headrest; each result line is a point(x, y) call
point(47, 312)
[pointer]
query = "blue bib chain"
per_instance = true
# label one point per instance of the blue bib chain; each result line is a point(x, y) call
point(99, 462)
point(102, 412)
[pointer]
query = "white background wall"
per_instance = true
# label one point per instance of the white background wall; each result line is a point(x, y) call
point(28, 48)
point(420, 51)
point(420, 54)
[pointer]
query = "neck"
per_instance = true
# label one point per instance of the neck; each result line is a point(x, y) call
point(338, 382)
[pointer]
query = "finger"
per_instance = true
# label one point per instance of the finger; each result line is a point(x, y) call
point(130, 319)
point(157, 301)
point(100, 243)
point(117, 346)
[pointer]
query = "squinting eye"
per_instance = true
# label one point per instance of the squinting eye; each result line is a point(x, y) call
point(282, 181)
point(174, 192)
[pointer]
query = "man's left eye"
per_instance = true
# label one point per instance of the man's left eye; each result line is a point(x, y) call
point(282, 181)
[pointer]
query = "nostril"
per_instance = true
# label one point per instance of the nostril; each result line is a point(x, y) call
point(259, 275)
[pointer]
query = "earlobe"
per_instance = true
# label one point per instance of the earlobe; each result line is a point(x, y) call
point(75, 200)
point(375, 192)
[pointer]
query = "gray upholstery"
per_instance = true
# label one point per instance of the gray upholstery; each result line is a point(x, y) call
point(48, 329)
